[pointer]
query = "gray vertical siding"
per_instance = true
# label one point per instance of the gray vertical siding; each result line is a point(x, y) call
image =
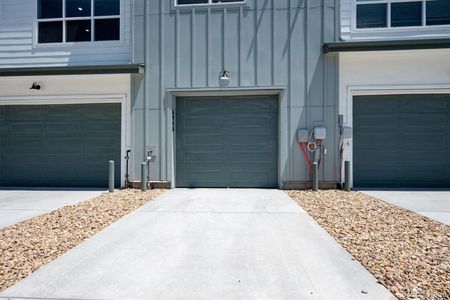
point(264, 43)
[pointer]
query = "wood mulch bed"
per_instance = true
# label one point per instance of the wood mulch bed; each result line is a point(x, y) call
point(408, 253)
point(28, 245)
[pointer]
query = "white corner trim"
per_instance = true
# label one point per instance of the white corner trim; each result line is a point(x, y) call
point(85, 99)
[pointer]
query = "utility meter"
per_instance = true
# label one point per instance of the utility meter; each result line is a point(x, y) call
point(320, 133)
point(302, 135)
point(346, 132)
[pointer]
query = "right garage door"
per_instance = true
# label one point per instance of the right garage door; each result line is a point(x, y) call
point(401, 141)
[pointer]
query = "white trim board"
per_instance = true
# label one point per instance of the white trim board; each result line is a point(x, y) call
point(85, 99)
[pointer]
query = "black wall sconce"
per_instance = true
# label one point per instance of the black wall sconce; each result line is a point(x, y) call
point(35, 86)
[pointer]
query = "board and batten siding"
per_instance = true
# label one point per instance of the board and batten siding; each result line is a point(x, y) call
point(263, 44)
point(18, 47)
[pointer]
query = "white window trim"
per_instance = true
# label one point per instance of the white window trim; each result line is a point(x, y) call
point(91, 43)
point(422, 28)
point(210, 3)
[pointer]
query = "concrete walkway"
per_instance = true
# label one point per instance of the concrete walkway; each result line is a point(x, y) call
point(20, 205)
point(434, 204)
point(207, 244)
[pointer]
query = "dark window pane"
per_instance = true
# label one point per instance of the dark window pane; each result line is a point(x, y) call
point(50, 32)
point(438, 12)
point(107, 29)
point(226, 1)
point(78, 31)
point(106, 7)
point(48, 9)
point(371, 16)
point(78, 8)
point(406, 14)
point(183, 2)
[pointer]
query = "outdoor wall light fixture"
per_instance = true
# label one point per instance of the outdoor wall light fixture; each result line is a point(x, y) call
point(224, 78)
point(35, 86)
point(225, 75)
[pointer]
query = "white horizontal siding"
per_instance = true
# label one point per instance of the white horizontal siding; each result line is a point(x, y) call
point(17, 48)
point(349, 33)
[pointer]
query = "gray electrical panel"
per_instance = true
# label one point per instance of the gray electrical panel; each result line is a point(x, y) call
point(302, 135)
point(346, 132)
point(320, 133)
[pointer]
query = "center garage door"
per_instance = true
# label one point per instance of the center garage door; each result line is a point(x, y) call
point(402, 141)
point(227, 142)
point(59, 145)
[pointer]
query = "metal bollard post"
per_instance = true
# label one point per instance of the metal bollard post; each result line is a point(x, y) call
point(111, 176)
point(144, 176)
point(347, 176)
point(315, 176)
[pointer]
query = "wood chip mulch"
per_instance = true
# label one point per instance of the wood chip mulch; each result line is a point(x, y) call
point(406, 252)
point(28, 245)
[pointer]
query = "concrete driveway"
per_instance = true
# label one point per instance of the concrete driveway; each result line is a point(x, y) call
point(20, 205)
point(434, 204)
point(207, 244)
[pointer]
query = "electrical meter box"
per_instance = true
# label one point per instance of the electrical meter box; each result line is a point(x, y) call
point(320, 133)
point(346, 132)
point(302, 135)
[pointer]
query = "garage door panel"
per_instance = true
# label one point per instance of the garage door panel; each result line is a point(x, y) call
point(421, 104)
point(62, 129)
point(206, 157)
point(243, 136)
point(59, 145)
point(198, 140)
point(26, 129)
point(411, 148)
point(61, 113)
point(25, 113)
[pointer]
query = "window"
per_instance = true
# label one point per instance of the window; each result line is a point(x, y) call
point(193, 2)
point(401, 13)
point(68, 21)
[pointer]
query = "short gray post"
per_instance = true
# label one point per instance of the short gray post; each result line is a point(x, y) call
point(111, 176)
point(315, 176)
point(347, 176)
point(144, 177)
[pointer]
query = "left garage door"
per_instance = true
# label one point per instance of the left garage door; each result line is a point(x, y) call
point(59, 145)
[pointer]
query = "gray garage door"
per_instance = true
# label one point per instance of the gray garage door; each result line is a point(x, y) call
point(59, 145)
point(227, 142)
point(402, 141)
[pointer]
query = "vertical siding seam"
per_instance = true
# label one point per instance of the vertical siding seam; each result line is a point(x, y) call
point(290, 167)
point(146, 77)
point(272, 53)
point(305, 37)
point(177, 45)
point(306, 92)
point(208, 41)
point(192, 46)
point(255, 45)
point(240, 46)
point(131, 30)
point(161, 88)
point(324, 81)
point(224, 33)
